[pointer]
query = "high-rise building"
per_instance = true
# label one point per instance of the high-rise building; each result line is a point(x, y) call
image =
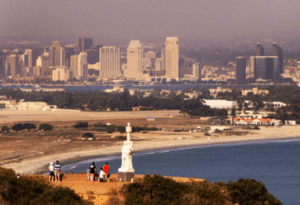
point(109, 57)
point(265, 67)
point(172, 58)
point(260, 51)
point(57, 54)
point(82, 66)
point(74, 65)
point(12, 66)
point(240, 68)
point(197, 70)
point(70, 50)
point(84, 43)
point(277, 51)
point(134, 69)
point(2, 64)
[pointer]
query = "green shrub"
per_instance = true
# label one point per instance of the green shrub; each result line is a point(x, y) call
point(250, 191)
point(34, 191)
point(29, 126)
point(88, 135)
point(18, 127)
point(45, 127)
point(111, 128)
point(121, 129)
point(81, 124)
point(4, 129)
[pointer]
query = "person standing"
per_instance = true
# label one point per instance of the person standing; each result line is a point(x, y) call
point(93, 170)
point(106, 170)
point(57, 170)
point(51, 169)
point(101, 175)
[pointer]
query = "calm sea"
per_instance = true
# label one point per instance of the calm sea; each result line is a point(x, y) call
point(274, 162)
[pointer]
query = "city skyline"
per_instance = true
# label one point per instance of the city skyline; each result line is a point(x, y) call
point(121, 21)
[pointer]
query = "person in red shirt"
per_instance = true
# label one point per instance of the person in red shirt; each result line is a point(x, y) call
point(106, 170)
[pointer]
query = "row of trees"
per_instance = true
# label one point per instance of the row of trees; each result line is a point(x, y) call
point(26, 126)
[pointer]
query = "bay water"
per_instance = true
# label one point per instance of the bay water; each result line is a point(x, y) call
point(274, 162)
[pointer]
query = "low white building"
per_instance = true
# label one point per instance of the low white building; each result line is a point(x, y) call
point(220, 104)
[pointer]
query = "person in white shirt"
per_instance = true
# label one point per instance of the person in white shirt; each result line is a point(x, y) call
point(51, 169)
point(101, 175)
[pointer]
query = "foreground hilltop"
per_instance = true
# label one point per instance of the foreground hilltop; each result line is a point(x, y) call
point(75, 189)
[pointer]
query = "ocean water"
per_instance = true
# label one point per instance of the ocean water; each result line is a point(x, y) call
point(274, 162)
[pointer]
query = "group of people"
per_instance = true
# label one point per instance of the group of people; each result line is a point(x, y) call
point(55, 171)
point(103, 174)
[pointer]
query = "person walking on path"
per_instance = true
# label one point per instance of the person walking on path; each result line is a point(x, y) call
point(93, 170)
point(57, 169)
point(51, 169)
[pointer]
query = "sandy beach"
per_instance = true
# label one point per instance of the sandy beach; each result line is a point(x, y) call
point(153, 141)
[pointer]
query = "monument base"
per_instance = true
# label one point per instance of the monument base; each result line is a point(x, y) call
point(125, 176)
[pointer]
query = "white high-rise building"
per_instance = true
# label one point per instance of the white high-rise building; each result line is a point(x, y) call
point(82, 69)
point(109, 57)
point(172, 58)
point(134, 69)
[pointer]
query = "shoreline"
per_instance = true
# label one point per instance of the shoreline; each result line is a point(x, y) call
point(40, 164)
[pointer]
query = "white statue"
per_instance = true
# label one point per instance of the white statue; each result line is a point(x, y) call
point(126, 153)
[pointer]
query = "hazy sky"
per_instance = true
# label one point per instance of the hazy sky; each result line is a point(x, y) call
point(132, 19)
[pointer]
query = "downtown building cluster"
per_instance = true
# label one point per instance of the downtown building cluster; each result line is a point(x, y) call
point(260, 66)
point(84, 61)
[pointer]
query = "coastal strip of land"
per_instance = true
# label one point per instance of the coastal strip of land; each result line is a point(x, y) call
point(152, 141)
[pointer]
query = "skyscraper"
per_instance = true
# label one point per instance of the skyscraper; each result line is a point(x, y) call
point(135, 54)
point(260, 51)
point(265, 67)
point(84, 43)
point(240, 68)
point(109, 57)
point(172, 58)
point(74, 65)
point(57, 54)
point(82, 66)
point(196, 70)
point(277, 51)
point(12, 66)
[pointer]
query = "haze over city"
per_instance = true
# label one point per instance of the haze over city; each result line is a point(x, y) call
point(119, 21)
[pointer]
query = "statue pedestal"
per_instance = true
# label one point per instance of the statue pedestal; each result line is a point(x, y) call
point(125, 176)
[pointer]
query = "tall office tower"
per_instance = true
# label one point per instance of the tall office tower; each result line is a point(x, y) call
point(12, 66)
point(197, 70)
point(134, 60)
point(2, 64)
point(240, 72)
point(149, 60)
point(74, 65)
point(109, 62)
point(172, 58)
point(84, 43)
point(43, 65)
point(82, 66)
point(163, 58)
point(57, 54)
point(260, 51)
point(265, 67)
point(70, 50)
point(277, 51)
